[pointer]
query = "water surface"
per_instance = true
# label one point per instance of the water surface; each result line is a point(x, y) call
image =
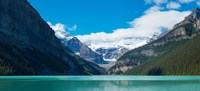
point(99, 83)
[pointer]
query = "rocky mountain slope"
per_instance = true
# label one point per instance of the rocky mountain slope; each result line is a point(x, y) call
point(163, 47)
point(97, 52)
point(111, 54)
point(29, 46)
point(113, 50)
point(78, 47)
point(84, 51)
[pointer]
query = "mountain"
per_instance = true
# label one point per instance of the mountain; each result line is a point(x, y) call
point(100, 55)
point(84, 51)
point(174, 53)
point(111, 54)
point(78, 47)
point(183, 60)
point(113, 50)
point(29, 46)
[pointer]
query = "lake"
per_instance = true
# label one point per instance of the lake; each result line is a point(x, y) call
point(99, 83)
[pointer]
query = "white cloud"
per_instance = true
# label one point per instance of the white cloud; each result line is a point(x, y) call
point(73, 28)
point(155, 21)
point(62, 27)
point(156, 1)
point(186, 1)
point(173, 5)
point(57, 27)
point(151, 22)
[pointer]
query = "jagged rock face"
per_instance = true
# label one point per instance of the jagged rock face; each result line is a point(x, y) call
point(78, 47)
point(111, 50)
point(111, 54)
point(84, 51)
point(194, 15)
point(181, 32)
point(186, 29)
point(29, 46)
point(188, 26)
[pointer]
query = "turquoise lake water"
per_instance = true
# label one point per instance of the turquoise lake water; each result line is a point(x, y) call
point(100, 83)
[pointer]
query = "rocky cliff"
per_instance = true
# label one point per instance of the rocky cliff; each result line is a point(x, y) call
point(84, 51)
point(29, 46)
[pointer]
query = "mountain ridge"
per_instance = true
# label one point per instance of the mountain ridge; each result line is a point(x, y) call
point(29, 46)
point(84, 51)
point(178, 35)
point(78, 47)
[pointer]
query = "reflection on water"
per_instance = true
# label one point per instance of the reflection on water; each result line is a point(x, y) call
point(61, 85)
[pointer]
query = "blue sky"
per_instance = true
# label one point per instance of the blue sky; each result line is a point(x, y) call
point(90, 15)
point(94, 16)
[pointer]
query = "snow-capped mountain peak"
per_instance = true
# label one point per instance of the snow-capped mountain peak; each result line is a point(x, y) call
point(112, 50)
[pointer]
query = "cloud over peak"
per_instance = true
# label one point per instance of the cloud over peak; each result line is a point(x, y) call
point(162, 15)
point(153, 21)
point(57, 27)
point(62, 27)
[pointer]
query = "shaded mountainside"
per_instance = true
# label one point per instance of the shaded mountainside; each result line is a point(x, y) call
point(164, 47)
point(84, 51)
point(29, 46)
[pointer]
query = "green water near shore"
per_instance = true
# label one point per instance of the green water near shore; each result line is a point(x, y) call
point(99, 83)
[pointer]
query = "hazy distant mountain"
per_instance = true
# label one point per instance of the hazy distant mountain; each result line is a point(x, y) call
point(111, 54)
point(29, 46)
point(84, 51)
point(79, 48)
point(174, 53)
point(112, 50)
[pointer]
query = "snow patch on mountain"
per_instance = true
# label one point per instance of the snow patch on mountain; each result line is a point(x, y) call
point(113, 50)
point(109, 49)
point(128, 43)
